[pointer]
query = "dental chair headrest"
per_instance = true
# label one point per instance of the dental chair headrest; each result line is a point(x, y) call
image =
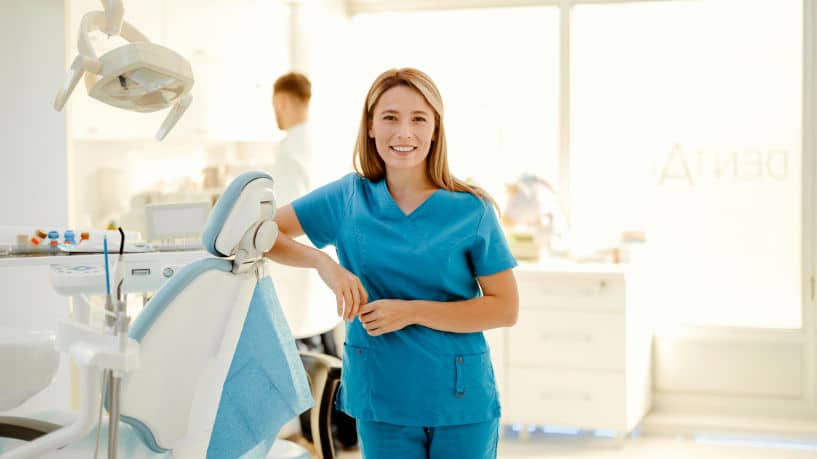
point(241, 223)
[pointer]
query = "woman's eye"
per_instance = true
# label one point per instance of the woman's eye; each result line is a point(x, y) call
point(389, 117)
point(419, 119)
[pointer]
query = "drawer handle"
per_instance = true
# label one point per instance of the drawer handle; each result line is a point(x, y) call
point(595, 289)
point(583, 396)
point(573, 337)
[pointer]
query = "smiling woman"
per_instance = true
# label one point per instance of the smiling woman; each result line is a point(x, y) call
point(402, 135)
point(498, 69)
point(399, 131)
point(424, 269)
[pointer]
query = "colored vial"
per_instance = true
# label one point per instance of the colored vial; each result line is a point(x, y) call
point(38, 237)
point(69, 237)
point(53, 240)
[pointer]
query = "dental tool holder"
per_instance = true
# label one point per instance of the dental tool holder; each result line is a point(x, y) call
point(92, 352)
point(95, 351)
point(89, 347)
point(116, 319)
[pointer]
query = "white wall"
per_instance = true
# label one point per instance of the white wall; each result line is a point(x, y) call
point(33, 178)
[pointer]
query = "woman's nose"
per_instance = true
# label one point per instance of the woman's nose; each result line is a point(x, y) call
point(404, 130)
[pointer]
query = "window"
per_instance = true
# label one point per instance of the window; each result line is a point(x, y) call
point(686, 123)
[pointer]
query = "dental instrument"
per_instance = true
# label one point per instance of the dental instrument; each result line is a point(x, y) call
point(140, 76)
point(120, 324)
point(107, 271)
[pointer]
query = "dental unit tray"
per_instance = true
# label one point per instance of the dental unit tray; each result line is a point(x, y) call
point(97, 247)
point(142, 273)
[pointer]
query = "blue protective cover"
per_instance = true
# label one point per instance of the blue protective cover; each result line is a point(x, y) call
point(266, 385)
point(219, 214)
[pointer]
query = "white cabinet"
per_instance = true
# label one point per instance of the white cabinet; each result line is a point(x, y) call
point(580, 352)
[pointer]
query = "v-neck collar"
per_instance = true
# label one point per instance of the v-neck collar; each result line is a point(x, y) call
point(390, 203)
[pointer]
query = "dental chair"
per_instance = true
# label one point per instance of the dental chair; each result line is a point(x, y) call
point(210, 369)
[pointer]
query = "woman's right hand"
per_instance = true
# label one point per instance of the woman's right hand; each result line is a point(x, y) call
point(349, 292)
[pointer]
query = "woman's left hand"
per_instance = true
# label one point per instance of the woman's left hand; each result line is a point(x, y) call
point(385, 316)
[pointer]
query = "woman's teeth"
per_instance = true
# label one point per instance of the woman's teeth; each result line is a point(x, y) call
point(403, 149)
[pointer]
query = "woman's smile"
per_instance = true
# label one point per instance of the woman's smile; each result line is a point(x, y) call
point(402, 150)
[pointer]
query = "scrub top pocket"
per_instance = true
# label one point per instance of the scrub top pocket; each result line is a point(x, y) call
point(452, 389)
point(355, 388)
point(474, 381)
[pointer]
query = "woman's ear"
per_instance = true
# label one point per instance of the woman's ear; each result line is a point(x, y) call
point(369, 128)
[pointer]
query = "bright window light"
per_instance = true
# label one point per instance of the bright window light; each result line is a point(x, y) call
point(686, 123)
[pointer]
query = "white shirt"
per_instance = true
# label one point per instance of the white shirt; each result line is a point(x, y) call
point(293, 162)
point(307, 302)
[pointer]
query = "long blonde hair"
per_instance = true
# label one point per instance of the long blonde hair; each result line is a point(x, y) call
point(370, 165)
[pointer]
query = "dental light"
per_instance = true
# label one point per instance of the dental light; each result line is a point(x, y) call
point(140, 76)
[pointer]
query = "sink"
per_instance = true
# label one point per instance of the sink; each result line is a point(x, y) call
point(30, 361)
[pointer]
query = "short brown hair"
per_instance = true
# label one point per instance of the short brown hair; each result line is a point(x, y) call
point(294, 83)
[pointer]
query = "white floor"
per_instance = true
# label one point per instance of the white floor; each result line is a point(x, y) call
point(558, 447)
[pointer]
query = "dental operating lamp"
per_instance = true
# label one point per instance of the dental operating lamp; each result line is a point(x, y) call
point(140, 76)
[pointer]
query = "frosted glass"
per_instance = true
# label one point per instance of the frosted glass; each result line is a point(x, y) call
point(686, 123)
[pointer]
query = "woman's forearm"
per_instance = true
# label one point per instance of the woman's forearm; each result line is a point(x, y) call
point(477, 314)
point(348, 290)
point(290, 252)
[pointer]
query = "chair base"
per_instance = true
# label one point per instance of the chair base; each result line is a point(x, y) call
point(15, 430)
point(25, 429)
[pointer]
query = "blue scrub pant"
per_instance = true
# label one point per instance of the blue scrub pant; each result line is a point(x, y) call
point(379, 440)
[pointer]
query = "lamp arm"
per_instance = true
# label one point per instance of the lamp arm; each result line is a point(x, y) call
point(114, 12)
point(78, 68)
point(173, 116)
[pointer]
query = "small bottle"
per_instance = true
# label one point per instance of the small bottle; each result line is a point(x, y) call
point(69, 236)
point(38, 237)
point(53, 240)
point(84, 236)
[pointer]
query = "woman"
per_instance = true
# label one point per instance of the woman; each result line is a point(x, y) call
point(416, 246)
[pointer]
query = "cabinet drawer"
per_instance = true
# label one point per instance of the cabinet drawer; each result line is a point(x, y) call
point(568, 339)
point(570, 291)
point(584, 399)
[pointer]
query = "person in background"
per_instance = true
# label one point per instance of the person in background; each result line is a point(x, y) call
point(291, 94)
point(424, 269)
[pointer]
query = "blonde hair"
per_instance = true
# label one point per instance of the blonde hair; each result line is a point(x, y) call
point(370, 165)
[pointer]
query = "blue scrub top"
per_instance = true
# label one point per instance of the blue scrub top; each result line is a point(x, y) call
point(416, 376)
